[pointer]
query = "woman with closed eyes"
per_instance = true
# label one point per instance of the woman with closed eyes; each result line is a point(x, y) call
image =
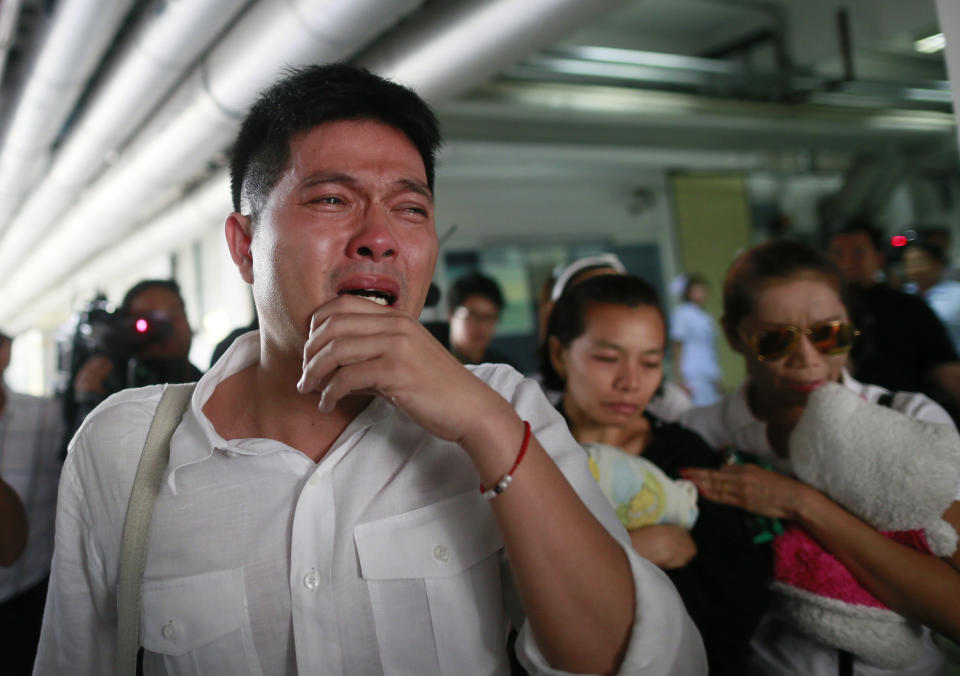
point(604, 349)
point(783, 312)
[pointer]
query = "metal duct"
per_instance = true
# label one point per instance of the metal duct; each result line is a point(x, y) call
point(463, 44)
point(198, 122)
point(169, 38)
point(205, 208)
point(78, 36)
point(9, 14)
point(483, 37)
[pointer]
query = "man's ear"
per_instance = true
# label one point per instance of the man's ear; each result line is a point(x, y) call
point(239, 232)
point(556, 356)
point(733, 336)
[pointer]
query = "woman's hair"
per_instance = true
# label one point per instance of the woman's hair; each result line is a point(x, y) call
point(693, 279)
point(568, 319)
point(779, 259)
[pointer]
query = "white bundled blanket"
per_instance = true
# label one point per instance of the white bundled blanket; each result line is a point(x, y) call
point(894, 472)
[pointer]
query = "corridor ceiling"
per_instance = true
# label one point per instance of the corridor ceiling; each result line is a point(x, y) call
point(116, 116)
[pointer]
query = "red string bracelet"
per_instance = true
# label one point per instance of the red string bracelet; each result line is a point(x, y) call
point(501, 485)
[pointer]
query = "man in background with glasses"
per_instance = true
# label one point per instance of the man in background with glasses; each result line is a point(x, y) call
point(476, 302)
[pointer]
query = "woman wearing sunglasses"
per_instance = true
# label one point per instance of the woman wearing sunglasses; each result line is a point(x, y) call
point(783, 312)
point(604, 349)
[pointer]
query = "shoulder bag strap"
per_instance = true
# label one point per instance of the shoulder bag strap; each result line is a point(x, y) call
point(136, 525)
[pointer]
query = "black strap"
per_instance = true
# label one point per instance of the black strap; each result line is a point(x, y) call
point(886, 399)
point(844, 663)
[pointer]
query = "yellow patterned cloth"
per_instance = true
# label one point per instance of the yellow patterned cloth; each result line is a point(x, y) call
point(641, 494)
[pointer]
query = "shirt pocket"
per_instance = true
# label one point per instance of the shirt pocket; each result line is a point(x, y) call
point(197, 624)
point(434, 581)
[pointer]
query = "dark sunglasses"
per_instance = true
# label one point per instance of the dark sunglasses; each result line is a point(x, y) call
point(829, 338)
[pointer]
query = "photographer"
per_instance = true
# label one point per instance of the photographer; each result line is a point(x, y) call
point(162, 357)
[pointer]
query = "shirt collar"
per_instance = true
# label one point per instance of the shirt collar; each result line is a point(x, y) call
point(243, 353)
point(739, 408)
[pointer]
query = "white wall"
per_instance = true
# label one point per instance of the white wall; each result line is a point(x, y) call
point(544, 211)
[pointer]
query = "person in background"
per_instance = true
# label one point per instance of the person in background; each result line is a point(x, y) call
point(670, 400)
point(924, 264)
point(166, 360)
point(475, 306)
point(941, 236)
point(31, 429)
point(902, 346)
point(783, 311)
point(693, 344)
point(605, 347)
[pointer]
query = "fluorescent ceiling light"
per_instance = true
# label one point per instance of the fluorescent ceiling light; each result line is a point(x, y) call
point(931, 44)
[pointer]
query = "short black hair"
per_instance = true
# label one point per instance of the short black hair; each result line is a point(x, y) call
point(475, 285)
point(861, 226)
point(140, 287)
point(568, 318)
point(932, 249)
point(308, 97)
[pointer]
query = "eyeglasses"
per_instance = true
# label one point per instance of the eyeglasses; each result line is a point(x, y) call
point(829, 338)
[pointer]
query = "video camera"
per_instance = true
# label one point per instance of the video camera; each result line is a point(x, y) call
point(103, 331)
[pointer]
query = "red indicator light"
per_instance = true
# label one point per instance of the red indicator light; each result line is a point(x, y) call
point(898, 240)
point(142, 325)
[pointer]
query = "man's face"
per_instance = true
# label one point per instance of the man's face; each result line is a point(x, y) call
point(921, 268)
point(352, 213)
point(161, 303)
point(856, 257)
point(473, 324)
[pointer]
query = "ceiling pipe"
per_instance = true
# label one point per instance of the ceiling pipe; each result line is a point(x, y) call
point(483, 37)
point(205, 208)
point(9, 15)
point(168, 39)
point(79, 34)
point(198, 122)
point(461, 45)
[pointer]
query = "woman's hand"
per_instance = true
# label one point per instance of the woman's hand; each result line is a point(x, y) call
point(666, 546)
point(751, 488)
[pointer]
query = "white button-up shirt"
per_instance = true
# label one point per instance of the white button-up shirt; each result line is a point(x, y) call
point(383, 558)
point(31, 443)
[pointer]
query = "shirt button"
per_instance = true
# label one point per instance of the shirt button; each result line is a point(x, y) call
point(169, 631)
point(230, 454)
point(441, 554)
point(315, 479)
point(311, 580)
